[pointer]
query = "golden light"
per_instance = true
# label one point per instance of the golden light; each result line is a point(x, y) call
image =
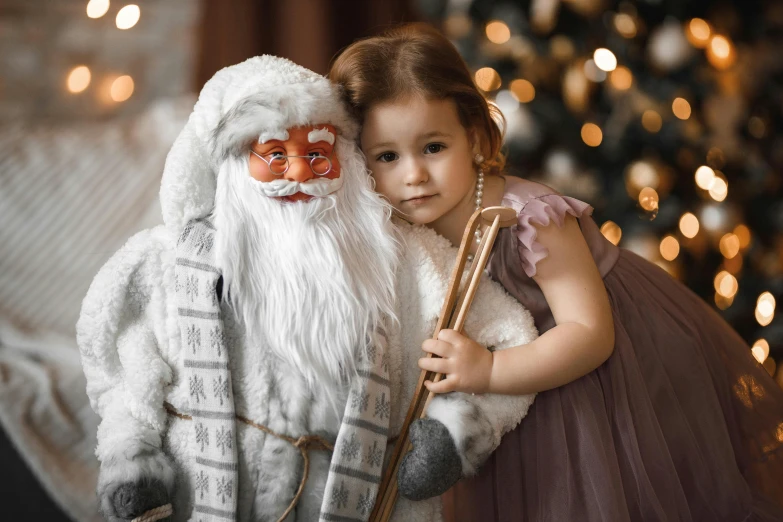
point(97, 8)
point(79, 79)
point(605, 59)
point(625, 25)
point(523, 90)
point(726, 284)
point(760, 350)
point(723, 302)
point(651, 121)
point(592, 135)
point(498, 32)
point(765, 308)
point(698, 33)
point(720, 52)
point(642, 174)
point(612, 232)
point(648, 199)
point(121, 88)
point(128, 16)
point(689, 225)
point(621, 78)
point(729, 245)
point(704, 177)
point(743, 233)
point(681, 108)
point(487, 79)
point(670, 248)
point(719, 189)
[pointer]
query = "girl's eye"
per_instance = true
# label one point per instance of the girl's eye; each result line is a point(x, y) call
point(433, 148)
point(387, 157)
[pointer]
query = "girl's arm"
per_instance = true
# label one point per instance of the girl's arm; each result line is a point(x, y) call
point(580, 342)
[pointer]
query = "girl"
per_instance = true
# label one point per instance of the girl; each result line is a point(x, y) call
point(650, 406)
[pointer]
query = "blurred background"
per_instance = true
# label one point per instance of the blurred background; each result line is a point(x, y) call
point(665, 115)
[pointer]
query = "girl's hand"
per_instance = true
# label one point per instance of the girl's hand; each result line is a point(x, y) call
point(467, 365)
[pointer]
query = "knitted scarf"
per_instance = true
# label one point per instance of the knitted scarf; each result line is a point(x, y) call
point(357, 461)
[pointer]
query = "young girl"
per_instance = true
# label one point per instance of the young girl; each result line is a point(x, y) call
point(650, 407)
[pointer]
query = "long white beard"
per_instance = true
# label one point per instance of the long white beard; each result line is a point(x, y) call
point(309, 280)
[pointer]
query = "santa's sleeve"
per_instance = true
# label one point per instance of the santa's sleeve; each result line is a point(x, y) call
point(477, 422)
point(120, 332)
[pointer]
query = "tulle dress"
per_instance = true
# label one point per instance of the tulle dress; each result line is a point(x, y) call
point(680, 424)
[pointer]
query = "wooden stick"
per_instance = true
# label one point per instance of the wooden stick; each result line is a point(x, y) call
point(453, 315)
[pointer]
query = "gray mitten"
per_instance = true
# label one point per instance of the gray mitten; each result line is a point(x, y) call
point(433, 465)
point(133, 499)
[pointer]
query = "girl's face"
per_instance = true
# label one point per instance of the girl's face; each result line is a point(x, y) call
point(421, 158)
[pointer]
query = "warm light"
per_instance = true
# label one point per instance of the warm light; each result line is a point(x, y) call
point(719, 189)
point(498, 32)
point(523, 90)
point(720, 52)
point(621, 78)
point(726, 284)
point(128, 16)
point(642, 174)
point(591, 134)
point(765, 308)
point(593, 72)
point(625, 25)
point(689, 225)
point(612, 232)
point(681, 108)
point(704, 177)
point(743, 233)
point(121, 88)
point(670, 248)
point(651, 121)
point(698, 32)
point(97, 8)
point(605, 59)
point(723, 302)
point(78, 79)
point(729, 245)
point(648, 199)
point(760, 350)
point(487, 79)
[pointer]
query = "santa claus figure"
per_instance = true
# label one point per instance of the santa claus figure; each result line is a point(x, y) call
point(253, 357)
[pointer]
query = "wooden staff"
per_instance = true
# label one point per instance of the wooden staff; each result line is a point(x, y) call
point(452, 315)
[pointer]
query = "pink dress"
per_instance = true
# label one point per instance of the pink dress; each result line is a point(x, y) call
point(679, 424)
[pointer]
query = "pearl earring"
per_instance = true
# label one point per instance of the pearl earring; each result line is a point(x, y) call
point(479, 198)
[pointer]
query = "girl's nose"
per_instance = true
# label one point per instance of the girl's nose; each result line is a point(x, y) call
point(416, 174)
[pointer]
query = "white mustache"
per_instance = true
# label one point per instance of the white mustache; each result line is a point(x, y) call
point(282, 187)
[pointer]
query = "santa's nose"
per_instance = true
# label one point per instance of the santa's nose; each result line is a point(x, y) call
point(299, 170)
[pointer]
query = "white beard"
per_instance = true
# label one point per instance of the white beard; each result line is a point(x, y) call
point(309, 280)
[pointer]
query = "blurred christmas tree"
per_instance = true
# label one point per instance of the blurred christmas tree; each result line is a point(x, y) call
point(663, 114)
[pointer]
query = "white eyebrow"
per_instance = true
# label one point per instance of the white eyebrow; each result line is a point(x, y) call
point(272, 135)
point(314, 136)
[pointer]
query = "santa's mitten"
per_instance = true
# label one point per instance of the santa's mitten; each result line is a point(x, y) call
point(433, 465)
point(128, 487)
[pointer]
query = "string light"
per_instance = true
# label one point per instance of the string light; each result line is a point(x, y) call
point(689, 225)
point(592, 135)
point(729, 245)
point(498, 32)
point(523, 90)
point(641, 174)
point(719, 188)
point(487, 79)
point(723, 302)
point(698, 33)
point(621, 78)
point(651, 121)
point(670, 248)
point(79, 79)
point(612, 232)
point(743, 233)
point(625, 25)
point(128, 16)
point(648, 199)
point(726, 284)
point(121, 88)
point(720, 52)
point(681, 108)
point(97, 8)
point(760, 350)
point(704, 177)
point(765, 308)
point(605, 59)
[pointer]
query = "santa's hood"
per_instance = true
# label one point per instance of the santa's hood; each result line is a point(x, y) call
point(264, 95)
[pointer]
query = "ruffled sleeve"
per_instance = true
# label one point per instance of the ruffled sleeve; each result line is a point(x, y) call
point(540, 211)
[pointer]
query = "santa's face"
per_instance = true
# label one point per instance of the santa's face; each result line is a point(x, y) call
point(285, 168)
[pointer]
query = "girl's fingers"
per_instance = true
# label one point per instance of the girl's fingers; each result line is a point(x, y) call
point(450, 336)
point(434, 364)
point(442, 386)
point(437, 347)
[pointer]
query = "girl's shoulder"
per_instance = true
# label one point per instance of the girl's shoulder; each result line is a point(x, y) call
point(537, 205)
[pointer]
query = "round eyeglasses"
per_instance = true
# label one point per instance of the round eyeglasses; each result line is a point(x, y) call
point(278, 163)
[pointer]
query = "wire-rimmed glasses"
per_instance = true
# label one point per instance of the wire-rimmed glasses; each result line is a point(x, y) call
point(278, 163)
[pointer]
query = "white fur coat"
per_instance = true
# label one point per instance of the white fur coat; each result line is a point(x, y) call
point(132, 357)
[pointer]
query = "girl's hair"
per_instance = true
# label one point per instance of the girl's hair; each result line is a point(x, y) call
point(416, 59)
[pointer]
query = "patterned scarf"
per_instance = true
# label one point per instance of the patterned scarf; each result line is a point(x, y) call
point(355, 471)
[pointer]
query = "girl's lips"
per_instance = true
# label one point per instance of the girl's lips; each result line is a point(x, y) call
point(419, 201)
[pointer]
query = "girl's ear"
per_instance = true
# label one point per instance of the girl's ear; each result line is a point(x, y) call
point(475, 141)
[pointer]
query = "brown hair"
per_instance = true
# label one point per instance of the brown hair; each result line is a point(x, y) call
point(416, 59)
